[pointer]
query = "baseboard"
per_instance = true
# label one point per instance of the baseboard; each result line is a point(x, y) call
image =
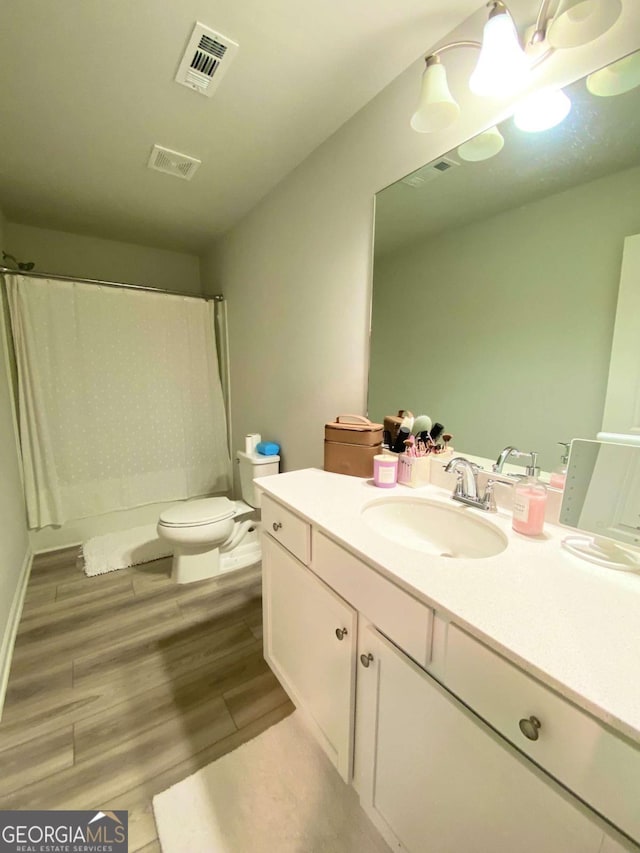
point(7, 642)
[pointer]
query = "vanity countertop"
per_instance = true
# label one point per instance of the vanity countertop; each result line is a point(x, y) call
point(572, 624)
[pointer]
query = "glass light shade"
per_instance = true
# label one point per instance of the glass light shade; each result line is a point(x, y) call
point(482, 147)
point(542, 110)
point(502, 65)
point(436, 109)
point(578, 22)
point(616, 79)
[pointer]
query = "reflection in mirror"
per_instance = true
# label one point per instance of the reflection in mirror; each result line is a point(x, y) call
point(602, 497)
point(495, 281)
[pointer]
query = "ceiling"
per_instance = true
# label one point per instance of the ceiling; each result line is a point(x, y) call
point(599, 136)
point(88, 89)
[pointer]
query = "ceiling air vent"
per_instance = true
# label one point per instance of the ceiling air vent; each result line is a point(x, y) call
point(430, 171)
point(205, 61)
point(172, 162)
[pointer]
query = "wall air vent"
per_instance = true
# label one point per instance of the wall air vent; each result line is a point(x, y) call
point(430, 172)
point(205, 61)
point(172, 162)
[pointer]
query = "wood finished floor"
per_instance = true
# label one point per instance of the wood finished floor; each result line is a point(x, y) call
point(122, 685)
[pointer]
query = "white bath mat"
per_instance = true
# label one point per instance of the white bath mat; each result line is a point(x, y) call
point(278, 793)
point(114, 551)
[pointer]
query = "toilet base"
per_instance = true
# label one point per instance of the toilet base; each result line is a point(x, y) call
point(190, 566)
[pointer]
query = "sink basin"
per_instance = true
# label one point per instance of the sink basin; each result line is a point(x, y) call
point(434, 527)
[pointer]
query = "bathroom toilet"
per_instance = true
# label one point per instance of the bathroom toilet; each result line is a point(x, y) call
point(212, 536)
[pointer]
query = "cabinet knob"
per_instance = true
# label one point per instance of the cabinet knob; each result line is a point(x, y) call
point(341, 633)
point(276, 526)
point(529, 727)
point(365, 660)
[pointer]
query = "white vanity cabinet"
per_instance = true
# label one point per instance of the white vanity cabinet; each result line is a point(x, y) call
point(431, 759)
point(310, 641)
point(443, 782)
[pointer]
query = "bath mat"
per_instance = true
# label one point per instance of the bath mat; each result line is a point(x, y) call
point(278, 793)
point(114, 551)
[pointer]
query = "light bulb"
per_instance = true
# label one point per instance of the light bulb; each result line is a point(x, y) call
point(483, 146)
point(436, 108)
point(578, 22)
point(502, 65)
point(542, 110)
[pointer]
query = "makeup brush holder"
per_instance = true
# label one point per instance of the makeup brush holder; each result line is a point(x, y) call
point(414, 471)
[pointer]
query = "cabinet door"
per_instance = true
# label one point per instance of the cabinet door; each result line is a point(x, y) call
point(443, 782)
point(309, 643)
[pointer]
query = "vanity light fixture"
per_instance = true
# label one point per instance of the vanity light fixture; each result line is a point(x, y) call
point(542, 110)
point(437, 108)
point(616, 79)
point(504, 63)
point(578, 22)
point(482, 147)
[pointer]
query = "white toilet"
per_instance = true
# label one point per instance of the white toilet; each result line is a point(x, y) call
point(208, 536)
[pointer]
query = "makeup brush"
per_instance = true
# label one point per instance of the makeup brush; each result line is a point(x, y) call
point(421, 424)
point(436, 431)
point(403, 433)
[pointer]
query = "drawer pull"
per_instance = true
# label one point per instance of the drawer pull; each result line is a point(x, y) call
point(365, 660)
point(341, 633)
point(276, 526)
point(530, 727)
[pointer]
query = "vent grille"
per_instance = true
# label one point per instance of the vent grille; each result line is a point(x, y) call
point(212, 46)
point(173, 163)
point(429, 172)
point(205, 60)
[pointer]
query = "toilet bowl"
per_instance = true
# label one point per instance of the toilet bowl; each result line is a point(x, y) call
point(196, 530)
point(212, 536)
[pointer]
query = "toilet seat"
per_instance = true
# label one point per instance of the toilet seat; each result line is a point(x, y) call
point(197, 513)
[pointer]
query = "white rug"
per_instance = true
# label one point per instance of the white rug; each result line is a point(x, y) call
point(278, 793)
point(114, 551)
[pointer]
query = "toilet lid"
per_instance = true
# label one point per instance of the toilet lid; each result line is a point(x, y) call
point(202, 511)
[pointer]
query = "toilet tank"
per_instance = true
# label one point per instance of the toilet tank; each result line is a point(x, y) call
point(252, 466)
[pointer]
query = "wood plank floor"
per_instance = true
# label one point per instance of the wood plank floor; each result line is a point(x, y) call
point(122, 685)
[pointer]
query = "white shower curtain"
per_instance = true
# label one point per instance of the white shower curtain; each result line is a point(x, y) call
point(120, 402)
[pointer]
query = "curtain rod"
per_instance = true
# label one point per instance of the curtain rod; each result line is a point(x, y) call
point(8, 271)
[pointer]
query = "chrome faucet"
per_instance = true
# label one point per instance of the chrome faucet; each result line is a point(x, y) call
point(466, 490)
point(504, 455)
point(531, 470)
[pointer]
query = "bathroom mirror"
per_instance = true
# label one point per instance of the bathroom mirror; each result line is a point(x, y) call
point(602, 497)
point(495, 282)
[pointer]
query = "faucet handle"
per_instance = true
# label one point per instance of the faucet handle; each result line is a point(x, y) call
point(489, 499)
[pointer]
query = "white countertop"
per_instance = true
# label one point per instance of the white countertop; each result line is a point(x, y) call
point(572, 624)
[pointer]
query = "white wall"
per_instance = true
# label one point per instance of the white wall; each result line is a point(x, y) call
point(79, 256)
point(297, 270)
point(90, 257)
point(14, 541)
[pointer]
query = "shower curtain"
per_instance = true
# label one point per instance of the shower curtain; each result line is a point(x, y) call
point(119, 395)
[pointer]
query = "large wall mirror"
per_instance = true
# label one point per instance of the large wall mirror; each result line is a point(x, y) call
point(495, 282)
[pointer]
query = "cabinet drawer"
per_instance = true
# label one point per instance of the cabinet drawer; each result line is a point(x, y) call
point(402, 618)
point(288, 528)
point(594, 762)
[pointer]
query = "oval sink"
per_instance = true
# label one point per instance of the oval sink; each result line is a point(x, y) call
point(434, 527)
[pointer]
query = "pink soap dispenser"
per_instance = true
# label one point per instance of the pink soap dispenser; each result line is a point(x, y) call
point(529, 501)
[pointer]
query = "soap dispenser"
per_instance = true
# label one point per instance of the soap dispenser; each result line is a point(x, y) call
point(529, 501)
point(559, 474)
